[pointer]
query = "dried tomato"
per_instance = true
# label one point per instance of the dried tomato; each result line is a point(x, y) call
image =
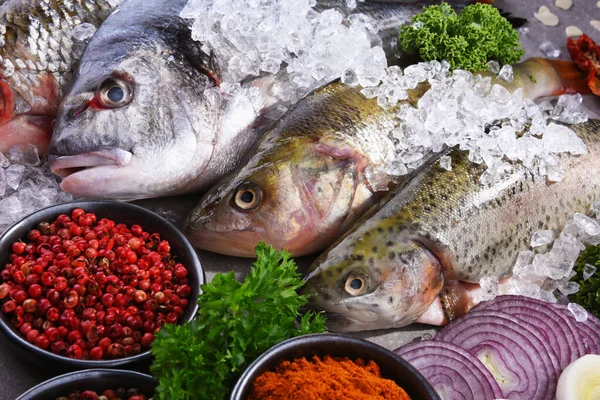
point(586, 54)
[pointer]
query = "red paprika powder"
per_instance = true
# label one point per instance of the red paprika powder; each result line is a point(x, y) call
point(327, 378)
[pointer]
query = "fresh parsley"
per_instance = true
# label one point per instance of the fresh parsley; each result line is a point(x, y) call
point(588, 295)
point(236, 322)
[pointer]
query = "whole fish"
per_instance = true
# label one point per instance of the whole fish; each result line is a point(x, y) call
point(145, 116)
point(306, 181)
point(406, 260)
point(37, 58)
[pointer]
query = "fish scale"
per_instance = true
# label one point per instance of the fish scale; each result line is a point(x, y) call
point(35, 37)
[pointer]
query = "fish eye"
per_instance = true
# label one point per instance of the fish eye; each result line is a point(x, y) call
point(355, 285)
point(248, 196)
point(115, 93)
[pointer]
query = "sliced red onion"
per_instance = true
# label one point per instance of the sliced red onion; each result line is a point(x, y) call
point(513, 350)
point(588, 329)
point(560, 333)
point(452, 371)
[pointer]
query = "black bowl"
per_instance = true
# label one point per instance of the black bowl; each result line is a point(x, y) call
point(91, 379)
point(128, 214)
point(336, 345)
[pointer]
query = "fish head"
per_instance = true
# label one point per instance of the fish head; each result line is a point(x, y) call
point(139, 121)
point(373, 286)
point(276, 198)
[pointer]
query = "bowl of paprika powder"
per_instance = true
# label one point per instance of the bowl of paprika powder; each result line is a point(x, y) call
point(334, 367)
point(87, 284)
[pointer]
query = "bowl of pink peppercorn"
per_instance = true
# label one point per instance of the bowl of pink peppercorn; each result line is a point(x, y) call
point(94, 384)
point(90, 283)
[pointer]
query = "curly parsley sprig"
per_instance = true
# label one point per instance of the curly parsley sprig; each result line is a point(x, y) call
point(467, 40)
point(236, 322)
point(588, 295)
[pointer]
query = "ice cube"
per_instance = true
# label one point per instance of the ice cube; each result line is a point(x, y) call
point(549, 49)
point(377, 179)
point(3, 161)
point(569, 287)
point(591, 226)
point(351, 4)
point(446, 163)
point(494, 66)
point(10, 206)
point(595, 207)
point(83, 32)
point(588, 271)
point(523, 260)
point(506, 73)
point(554, 173)
point(578, 312)
point(349, 78)
point(489, 288)
point(13, 175)
point(3, 182)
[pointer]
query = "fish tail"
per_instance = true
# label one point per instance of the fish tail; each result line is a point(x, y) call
point(541, 77)
point(571, 78)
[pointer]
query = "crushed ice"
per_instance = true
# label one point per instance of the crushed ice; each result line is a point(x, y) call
point(26, 184)
point(547, 275)
point(266, 36)
point(308, 48)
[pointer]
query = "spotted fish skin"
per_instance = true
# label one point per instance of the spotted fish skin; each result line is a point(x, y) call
point(449, 223)
point(37, 59)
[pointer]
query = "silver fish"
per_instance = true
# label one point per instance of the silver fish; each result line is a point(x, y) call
point(37, 59)
point(145, 116)
point(413, 256)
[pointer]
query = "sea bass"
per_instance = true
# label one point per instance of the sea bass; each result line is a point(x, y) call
point(37, 57)
point(146, 116)
point(306, 181)
point(407, 259)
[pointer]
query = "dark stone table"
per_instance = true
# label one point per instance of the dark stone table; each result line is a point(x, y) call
point(18, 374)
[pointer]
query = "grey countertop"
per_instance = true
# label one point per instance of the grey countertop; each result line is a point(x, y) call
point(17, 374)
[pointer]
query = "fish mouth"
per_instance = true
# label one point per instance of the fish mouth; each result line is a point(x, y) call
point(65, 166)
point(232, 243)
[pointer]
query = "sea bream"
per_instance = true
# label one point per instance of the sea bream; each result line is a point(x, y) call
point(146, 117)
point(37, 58)
point(320, 168)
point(411, 259)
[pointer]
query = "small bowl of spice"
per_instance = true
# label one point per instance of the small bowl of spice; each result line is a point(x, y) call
point(93, 384)
point(333, 367)
point(89, 283)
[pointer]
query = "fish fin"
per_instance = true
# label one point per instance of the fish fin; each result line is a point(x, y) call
point(7, 102)
point(572, 79)
point(456, 298)
point(32, 129)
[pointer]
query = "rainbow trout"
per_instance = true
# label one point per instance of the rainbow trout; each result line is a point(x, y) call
point(306, 181)
point(407, 259)
point(37, 58)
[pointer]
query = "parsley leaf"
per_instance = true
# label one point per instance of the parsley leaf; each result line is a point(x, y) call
point(588, 295)
point(236, 323)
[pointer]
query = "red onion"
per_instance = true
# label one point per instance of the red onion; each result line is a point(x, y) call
point(452, 371)
point(588, 329)
point(526, 367)
point(559, 330)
